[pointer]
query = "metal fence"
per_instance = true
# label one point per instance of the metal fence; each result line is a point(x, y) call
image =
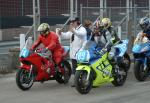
point(116, 10)
point(118, 16)
point(25, 7)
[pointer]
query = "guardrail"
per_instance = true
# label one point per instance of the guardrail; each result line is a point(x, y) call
point(9, 43)
point(64, 42)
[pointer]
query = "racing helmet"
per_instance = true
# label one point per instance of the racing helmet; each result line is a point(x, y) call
point(106, 22)
point(44, 28)
point(144, 23)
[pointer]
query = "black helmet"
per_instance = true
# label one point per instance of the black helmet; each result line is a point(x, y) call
point(75, 19)
point(144, 23)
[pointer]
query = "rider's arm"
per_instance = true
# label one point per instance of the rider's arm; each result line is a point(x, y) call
point(36, 44)
point(66, 35)
point(139, 36)
point(114, 34)
point(80, 32)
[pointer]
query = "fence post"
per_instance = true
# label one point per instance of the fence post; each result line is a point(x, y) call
point(149, 8)
point(130, 36)
point(22, 7)
point(71, 9)
point(76, 8)
point(127, 19)
point(101, 8)
point(135, 19)
point(0, 35)
point(119, 32)
point(22, 41)
point(36, 17)
point(81, 12)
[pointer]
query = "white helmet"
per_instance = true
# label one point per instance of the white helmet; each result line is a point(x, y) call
point(44, 28)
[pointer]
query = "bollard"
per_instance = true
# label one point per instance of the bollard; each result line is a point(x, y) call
point(29, 42)
point(22, 41)
point(119, 32)
point(0, 35)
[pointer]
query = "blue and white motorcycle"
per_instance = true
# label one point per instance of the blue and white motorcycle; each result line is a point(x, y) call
point(141, 53)
point(121, 56)
point(118, 52)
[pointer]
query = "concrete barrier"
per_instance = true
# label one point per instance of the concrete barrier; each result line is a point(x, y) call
point(0, 35)
point(9, 61)
point(5, 63)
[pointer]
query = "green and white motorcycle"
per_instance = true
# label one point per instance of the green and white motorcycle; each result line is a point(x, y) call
point(95, 72)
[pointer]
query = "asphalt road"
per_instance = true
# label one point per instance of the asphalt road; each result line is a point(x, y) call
point(52, 92)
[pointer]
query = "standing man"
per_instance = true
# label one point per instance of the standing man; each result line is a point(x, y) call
point(87, 25)
point(77, 35)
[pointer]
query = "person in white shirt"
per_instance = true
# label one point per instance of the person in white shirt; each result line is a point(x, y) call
point(77, 35)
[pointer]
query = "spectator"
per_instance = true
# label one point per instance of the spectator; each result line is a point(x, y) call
point(77, 35)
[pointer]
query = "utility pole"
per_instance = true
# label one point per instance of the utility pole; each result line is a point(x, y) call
point(36, 17)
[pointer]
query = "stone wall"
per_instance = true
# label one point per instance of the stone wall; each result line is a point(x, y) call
point(5, 63)
point(9, 34)
point(9, 61)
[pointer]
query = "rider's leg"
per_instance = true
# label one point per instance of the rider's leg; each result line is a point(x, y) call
point(58, 57)
point(42, 71)
point(74, 65)
point(58, 61)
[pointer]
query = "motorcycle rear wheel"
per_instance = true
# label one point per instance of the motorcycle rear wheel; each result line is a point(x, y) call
point(83, 86)
point(22, 80)
point(66, 77)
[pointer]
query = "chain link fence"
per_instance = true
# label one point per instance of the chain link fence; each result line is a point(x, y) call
point(118, 16)
point(57, 11)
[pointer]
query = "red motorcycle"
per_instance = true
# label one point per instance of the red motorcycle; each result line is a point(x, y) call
point(33, 63)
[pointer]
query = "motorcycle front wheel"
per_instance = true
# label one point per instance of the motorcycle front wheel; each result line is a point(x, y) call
point(23, 80)
point(139, 72)
point(126, 61)
point(82, 85)
point(120, 75)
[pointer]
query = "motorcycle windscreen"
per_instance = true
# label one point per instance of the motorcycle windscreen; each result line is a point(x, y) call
point(138, 47)
point(83, 56)
point(122, 47)
point(24, 53)
point(66, 48)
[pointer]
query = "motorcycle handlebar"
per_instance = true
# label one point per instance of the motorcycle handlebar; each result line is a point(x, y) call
point(43, 54)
